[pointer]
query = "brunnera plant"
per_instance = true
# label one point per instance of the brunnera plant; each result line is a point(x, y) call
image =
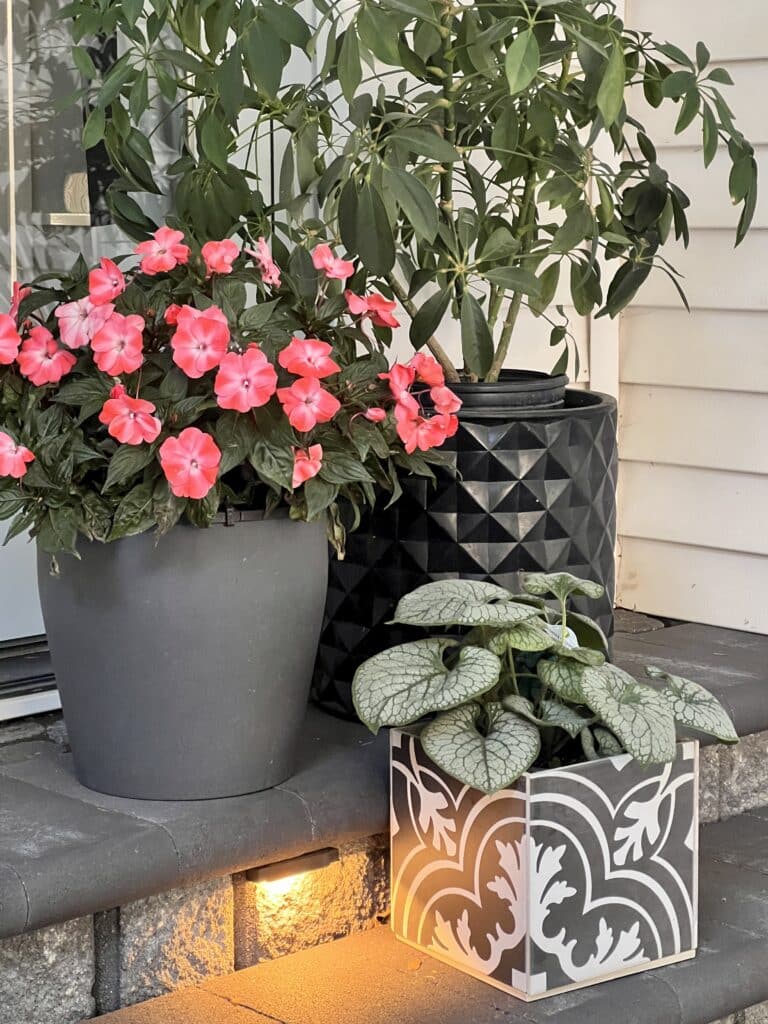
point(200, 380)
point(511, 684)
point(478, 157)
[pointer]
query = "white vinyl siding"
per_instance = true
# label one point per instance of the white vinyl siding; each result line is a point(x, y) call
point(693, 389)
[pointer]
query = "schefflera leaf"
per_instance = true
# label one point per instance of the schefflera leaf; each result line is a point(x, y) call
point(561, 585)
point(694, 707)
point(639, 715)
point(487, 760)
point(461, 603)
point(402, 684)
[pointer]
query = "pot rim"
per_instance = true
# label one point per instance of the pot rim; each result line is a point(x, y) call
point(579, 403)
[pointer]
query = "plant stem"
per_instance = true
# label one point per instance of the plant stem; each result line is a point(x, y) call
point(434, 346)
point(449, 113)
point(527, 204)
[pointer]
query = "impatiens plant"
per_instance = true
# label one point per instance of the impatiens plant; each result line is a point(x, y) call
point(200, 379)
point(512, 683)
point(479, 158)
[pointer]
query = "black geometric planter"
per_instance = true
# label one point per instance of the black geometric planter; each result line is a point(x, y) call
point(534, 491)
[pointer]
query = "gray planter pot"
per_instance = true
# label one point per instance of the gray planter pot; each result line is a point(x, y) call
point(184, 662)
point(569, 877)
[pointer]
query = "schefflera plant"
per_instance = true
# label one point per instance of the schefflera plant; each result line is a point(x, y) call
point(513, 683)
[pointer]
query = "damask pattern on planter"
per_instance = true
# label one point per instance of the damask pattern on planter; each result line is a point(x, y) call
point(572, 876)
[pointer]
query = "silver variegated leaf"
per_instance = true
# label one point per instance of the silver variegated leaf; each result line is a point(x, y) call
point(562, 676)
point(572, 720)
point(520, 706)
point(531, 635)
point(560, 584)
point(583, 655)
point(636, 713)
point(695, 707)
point(406, 682)
point(461, 603)
point(563, 637)
point(488, 761)
point(607, 743)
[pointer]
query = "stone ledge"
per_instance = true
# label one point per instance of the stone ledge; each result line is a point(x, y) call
point(373, 979)
point(66, 851)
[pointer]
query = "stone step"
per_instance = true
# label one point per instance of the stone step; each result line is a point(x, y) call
point(372, 978)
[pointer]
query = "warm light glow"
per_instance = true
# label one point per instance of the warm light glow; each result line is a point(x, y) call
point(279, 888)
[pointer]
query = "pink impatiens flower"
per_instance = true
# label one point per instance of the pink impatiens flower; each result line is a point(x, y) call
point(164, 251)
point(200, 340)
point(306, 403)
point(245, 381)
point(10, 339)
point(270, 272)
point(323, 259)
point(41, 360)
point(375, 414)
point(445, 400)
point(17, 297)
point(415, 431)
point(117, 347)
point(374, 306)
point(401, 380)
point(171, 315)
point(306, 464)
point(190, 463)
point(219, 256)
point(80, 321)
point(129, 420)
point(13, 457)
point(105, 283)
point(308, 357)
point(428, 369)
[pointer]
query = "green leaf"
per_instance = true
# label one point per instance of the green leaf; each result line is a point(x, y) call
point(421, 9)
point(128, 460)
point(365, 227)
point(349, 71)
point(564, 677)
point(93, 131)
point(264, 57)
point(287, 23)
point(522, 61)
point(134, 513)
point(610, 95)
point(425, 142)
point(561, 585)
point(215, 140)
point(318, 495)
point(415, 201)
point(460, 603)
point(530, 635)
point(515, 279)
point(476, 338)
point(429, 317)
point(709, 135)
point(637, 714)
point(702, 56)
point(501, 244)
point(84, 63)
point(694, 707)
point(678, 84)
point(578, 225)
point(572, 720)
point(487, 760)
point(548, 280)
point(231, 85)
point(404, 683)
point(506, 133)
point(720, 75)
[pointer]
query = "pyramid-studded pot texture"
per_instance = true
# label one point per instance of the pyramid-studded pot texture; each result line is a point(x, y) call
point(569, 877)
point(534, 491)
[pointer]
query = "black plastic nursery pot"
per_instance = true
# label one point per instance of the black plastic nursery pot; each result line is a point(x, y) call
point(531, 486)
point(184, 662)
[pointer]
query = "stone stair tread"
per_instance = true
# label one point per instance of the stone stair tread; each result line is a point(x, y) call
point(371, 978)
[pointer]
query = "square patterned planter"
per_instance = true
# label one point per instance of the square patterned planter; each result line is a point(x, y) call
point(570, 877)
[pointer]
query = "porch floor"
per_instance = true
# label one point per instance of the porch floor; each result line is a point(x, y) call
point(374, 979)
